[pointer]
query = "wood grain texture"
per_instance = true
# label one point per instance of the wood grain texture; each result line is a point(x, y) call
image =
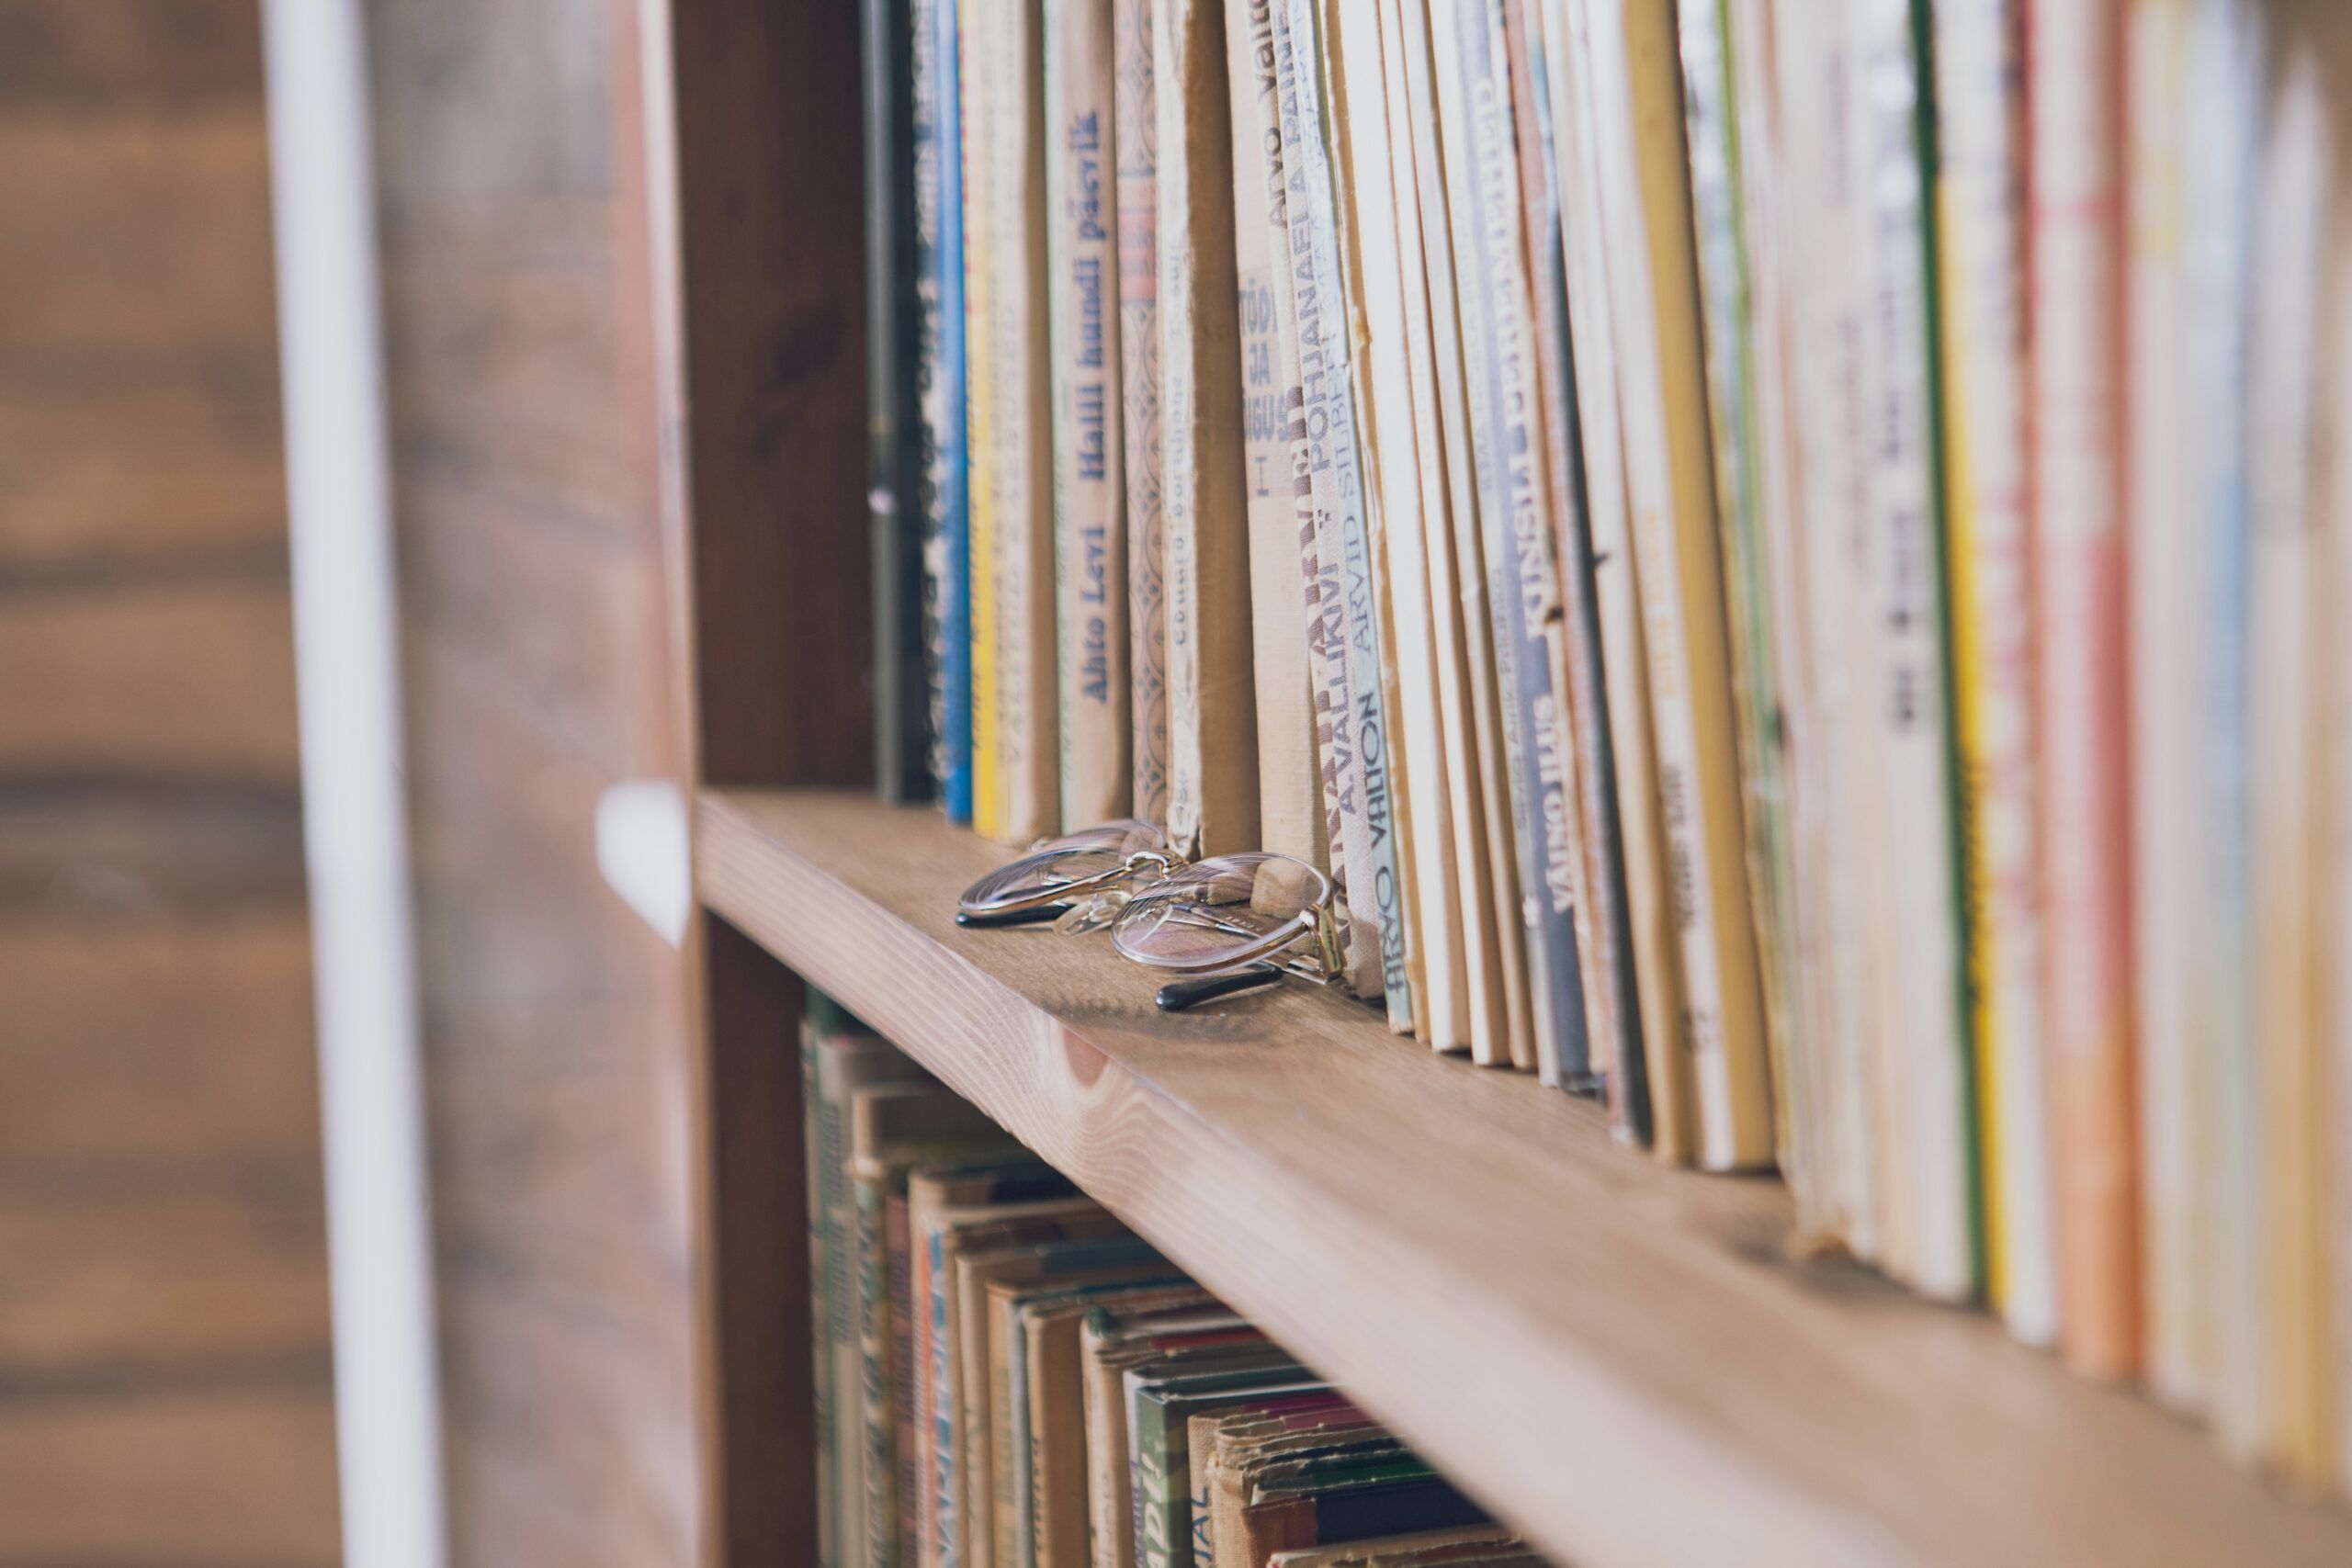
point(1616, 1356)
point(535, 664)
point(166, 1386)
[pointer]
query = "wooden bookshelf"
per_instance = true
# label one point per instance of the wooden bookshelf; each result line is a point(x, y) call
point(1621, 1359)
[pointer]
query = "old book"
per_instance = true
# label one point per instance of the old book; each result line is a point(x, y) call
point(1312, 1500)
point(1160, 1412)
point(839, 1057)
point(1603, 937)
point(1135, 141)
point(1486, 1544)
point(1650, 923)
point(1110, 1343)
point(1483, 1014)
point(1644, 180)
point(1201, 1448)
point(997, 1363)
point(1508, 448)
point(2296, 305)
point(1005, 138)
point(1459, 562)
point(2078, 299)
point(1054, 1515)
point(1351, 717)
point(941, 453)
point(980, 1247)
point(1291, 787)
point(1394, 447)
point(1933, 1112)
point(1090, 488)
point(978, 91)
point(894, 1128)
point(1212, 704)
point(1245, 1444)
point(931, 1194)
point(902, 638)
point(1980, 181)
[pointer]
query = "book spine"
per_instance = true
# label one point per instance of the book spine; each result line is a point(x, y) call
point(893, 332)
point(1135, 139)
point(815, 1135)
point(1090, 525)
point(1020, 308)
point(2075, 53)
point(1212, 803)
point(1059, 1489)
point(939, 398)
point(1148, 1433)
point(1710, 124)
point(1110, 1489)
point(1672, 493)
point(943, 1509)
point(1980, 193)
point(1008, 1355)
point(977, 24)
point(906, 1361)
point(1426, 542)
point(1459, 560)
point(1474, 89)
point(1927, 1008)
point(1612, 1023)
point(878, 1397)
point(1393, 449)
point(1295, 793)
point(1326, 459)
point(2292, 316)
point(2227, 48)
point(2168, 763)
point(1671, 1117)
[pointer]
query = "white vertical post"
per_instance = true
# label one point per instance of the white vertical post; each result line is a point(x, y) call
point(346, 653)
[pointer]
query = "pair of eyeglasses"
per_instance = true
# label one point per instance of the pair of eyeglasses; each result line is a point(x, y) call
point(1226, 924)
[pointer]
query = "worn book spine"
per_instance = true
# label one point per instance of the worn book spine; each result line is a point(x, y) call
point(1135, 141)
point(1421, 538)
point(1008, 1355)
point(906, 1373)
point(1710, 113)
point(1650, 931)
point(1011, 139)
point(880, 1367)
point(1979, 183)
point(978, 121)
point(1327, 458)
point(939, 399)
point(1110, 1488)
point(2297, 1437)
point(893, 421)
point(1670, 488)
point(2075, 55)
point(817, 1132)
point(1059, 1489)
point(1394, 450)
point(2168, 761)
point(1463, 557)
point(1090, 488)
point(1288, 656)
point(1603, 940)
point(1925, 1011)
point(1212, 706)
point(1473, 93)
point(1295, 1522)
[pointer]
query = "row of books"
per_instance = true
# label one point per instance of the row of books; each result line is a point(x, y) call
point(1785, 556)
point(1008, 1378)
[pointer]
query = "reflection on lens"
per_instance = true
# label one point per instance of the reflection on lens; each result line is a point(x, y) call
point(1220, 911)
point(1039, 875)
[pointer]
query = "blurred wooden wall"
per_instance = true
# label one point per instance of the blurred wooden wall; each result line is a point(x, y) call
point(516, 323)
point(166, 1392)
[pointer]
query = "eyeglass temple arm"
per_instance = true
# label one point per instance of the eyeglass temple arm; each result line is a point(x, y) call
point(1178, 995)
point(1033, 915)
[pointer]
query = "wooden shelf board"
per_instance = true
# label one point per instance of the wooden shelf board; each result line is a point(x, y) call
point(1619, 1358)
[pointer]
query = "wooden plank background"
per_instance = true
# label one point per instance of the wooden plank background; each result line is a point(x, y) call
point(518, 335)
point(165, 1391)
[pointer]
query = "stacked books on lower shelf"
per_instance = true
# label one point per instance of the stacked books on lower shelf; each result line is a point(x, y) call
point(1787, 559)
point(1008, 1378)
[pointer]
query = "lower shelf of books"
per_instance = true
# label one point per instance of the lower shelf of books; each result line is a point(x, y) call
point(1622, 1360)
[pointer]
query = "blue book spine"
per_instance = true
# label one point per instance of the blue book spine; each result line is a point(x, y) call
point(939, 262)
